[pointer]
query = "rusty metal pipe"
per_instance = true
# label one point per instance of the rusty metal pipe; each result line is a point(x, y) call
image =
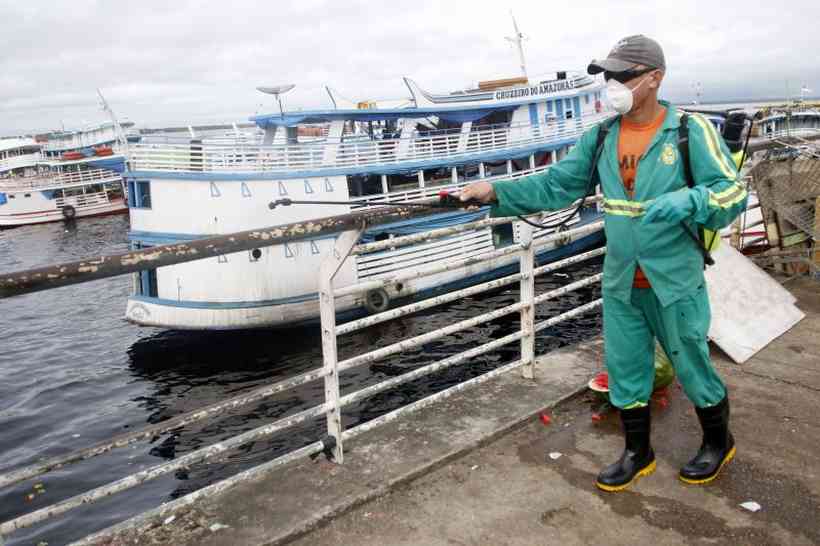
point(44, 278)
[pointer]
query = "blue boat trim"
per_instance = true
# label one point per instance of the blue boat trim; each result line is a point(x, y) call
point(226, 305)
point(407, 166)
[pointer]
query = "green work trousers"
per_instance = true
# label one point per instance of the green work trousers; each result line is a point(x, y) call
point(681, 328)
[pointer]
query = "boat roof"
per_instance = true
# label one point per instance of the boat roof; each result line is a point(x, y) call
point(56, 135)
point(458, 107)
point(13, 143)
point(291, 119)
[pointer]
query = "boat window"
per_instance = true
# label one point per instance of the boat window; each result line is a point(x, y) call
point(144, 194)
point(132, 192)
point(502, 235)
point(139, 194)
point(72, 192)
point(94, 188)
point(402, 182)
point(586, 98)
point(543, 158)
point(438, 177)
point(467, 172)
point(359, 185)
point(12, 196)
point(147, 283)
point(521, 163)
point(495, 168)
point(27, 195)
point(495, 120)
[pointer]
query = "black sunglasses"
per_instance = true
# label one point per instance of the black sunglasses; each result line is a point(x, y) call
point(626, 75)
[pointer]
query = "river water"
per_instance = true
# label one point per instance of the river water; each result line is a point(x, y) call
point(73, 372)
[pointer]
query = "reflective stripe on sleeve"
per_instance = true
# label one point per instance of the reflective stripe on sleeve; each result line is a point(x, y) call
point(725, 199)
point(620, 207)
point(713, 145)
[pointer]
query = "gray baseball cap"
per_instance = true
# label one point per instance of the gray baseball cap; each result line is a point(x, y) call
point(632, 50)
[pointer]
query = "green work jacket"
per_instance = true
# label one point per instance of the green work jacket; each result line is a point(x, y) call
point(668, 257)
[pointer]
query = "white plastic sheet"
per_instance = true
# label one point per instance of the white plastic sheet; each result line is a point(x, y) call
point(749, 308)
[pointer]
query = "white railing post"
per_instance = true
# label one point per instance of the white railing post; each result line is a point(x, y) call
point(327, 311)
point(527, 290)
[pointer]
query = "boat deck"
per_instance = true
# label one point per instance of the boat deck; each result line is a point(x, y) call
point(476, 469)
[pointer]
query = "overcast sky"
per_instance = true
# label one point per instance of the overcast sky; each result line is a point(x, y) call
point(185, 62)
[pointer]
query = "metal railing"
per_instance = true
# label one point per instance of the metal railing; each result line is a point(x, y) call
point(238, 156)
point(20, 161)
point(334, 403)
point(77, 178)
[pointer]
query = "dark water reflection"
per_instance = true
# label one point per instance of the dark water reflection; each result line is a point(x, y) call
point(73, 372)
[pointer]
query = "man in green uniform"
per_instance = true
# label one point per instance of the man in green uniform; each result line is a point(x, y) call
point(653, 283)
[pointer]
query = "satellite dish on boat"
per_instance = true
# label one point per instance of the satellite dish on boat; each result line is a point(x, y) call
point(276, 91)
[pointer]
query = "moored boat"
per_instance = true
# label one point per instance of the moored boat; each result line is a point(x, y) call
point(358, 151)
point(57, 176)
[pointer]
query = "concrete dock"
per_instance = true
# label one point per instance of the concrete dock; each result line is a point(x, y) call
point(482, 469)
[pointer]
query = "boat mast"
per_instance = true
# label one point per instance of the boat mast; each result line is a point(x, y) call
point(518, 40)
point(123, 142)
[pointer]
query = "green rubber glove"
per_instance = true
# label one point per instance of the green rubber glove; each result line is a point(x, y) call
point(670, 207)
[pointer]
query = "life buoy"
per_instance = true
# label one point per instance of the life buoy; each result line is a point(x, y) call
point(69, 212)
point(563, 240)
point(376, 301)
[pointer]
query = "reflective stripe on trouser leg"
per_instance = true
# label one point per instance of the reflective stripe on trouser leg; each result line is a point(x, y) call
point(681, 327)
point(628, 352)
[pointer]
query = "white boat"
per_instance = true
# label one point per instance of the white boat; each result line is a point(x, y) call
point(62, 175)
point(795, 120)
point(411, 149)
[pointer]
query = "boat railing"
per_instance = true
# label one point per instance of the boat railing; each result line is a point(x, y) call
point(431, 191)
point(20, 161)
point(76, 178)
point(89, 176)
point(84, 200)
point(206, 156)
point(349, 227)
point(792, 132)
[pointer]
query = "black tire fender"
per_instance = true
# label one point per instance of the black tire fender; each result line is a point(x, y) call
point(376, 301)
point(69, 212)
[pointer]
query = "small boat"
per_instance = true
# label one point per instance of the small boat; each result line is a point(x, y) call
point(61, 176)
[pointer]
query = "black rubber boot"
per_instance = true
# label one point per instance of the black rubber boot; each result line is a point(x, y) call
point(637, 460)
point(717, 448)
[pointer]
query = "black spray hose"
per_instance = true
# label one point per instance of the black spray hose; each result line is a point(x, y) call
point(446, 200)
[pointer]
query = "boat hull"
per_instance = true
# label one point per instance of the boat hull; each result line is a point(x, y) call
point(40, 215)
point(300, 310)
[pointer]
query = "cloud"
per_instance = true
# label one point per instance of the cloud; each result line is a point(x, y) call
point(195, 62)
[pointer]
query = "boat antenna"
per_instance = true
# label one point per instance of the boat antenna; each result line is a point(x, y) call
point(277, 91)
point(123, 142)
point(518, 40)
point(698, 92)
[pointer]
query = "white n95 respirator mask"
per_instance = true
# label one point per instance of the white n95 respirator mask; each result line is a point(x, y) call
point(620, 97)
